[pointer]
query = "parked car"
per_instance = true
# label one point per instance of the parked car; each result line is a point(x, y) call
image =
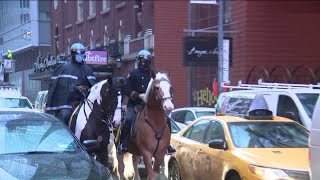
point(255, 145)
point(314, 143)
point(35, 145)
point(41, 101)
point(294, 103)
point(10, 97)
point(184, 116)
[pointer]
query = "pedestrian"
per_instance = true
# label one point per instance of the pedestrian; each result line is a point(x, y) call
point(135, 88)
point(69, 84)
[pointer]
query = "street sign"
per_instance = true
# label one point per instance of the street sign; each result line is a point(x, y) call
point(203, 1)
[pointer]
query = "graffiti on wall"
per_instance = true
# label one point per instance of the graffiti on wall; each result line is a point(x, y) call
point(204, 97)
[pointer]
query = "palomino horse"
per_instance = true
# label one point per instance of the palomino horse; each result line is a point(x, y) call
point(94, 116)
point(150, 134)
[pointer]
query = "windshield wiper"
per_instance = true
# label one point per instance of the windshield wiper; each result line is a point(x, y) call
point(31, 152)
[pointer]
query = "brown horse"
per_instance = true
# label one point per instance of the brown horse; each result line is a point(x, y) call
point(150, 134)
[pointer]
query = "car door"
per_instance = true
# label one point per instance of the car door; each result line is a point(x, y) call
point(212, 159)
point(188, 150)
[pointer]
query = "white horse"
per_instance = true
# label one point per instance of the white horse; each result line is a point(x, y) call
point(94, 116)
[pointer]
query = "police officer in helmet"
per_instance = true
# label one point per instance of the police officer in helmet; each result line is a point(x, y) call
point(69, 82)
point(135, 88)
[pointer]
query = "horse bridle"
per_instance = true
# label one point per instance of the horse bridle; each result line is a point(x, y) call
point(155, 87)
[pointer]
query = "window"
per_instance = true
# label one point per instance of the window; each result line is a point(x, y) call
point(92, 42)
point(92, 7)
point(80, 10)
point(189, 117)
point(287, 108)
point(105, 4)
point(308, 102)
point(24, 3)
point(197, 131)
point(215, 132)
point(178, 116)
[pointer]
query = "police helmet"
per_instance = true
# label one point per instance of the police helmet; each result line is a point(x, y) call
point(144, 57)
point(78, 52)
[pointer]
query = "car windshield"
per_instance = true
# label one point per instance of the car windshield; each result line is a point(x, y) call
point(204, 113)
point(35, 136)
point(308, 101)
point(268, 135)
point(14, 103)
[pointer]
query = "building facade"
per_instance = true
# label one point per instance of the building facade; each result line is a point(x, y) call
point(122, 29)
point(25, 29)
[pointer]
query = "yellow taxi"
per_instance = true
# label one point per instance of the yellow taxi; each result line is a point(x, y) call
point(250, 146)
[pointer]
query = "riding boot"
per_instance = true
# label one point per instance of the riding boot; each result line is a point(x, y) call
point(170, 149)
point(122, 147)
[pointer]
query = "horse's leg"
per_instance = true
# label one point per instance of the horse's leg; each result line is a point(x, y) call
point(136, 160)
point(157, 163)
point(147, 158)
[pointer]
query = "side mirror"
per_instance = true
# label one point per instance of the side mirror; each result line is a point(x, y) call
point(91, 146)
point(218, 144)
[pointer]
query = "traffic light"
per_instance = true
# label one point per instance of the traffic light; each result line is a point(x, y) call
point(9, 55)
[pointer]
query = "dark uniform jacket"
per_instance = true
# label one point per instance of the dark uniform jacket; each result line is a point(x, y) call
point(136, 83)
point(62, 91)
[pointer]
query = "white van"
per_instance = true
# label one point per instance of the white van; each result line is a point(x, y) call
point(314, 143)
point(293, 103)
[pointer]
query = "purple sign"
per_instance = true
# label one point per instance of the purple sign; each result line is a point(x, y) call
point(97, 57)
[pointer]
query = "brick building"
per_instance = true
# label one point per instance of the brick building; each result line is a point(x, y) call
point(122, 28)
point(275, 41)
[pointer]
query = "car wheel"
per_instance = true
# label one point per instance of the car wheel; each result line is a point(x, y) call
point(174, 172)
point(234, 177)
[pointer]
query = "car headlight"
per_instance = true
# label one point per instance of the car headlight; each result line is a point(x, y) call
point(268, 173)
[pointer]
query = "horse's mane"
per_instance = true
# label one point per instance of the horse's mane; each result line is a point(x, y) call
point(95, 91)
point(159, 76)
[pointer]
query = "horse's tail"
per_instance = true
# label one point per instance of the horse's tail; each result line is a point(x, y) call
point(126, 167)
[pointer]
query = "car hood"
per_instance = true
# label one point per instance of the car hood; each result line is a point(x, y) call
point(282, 158)
point(51, 166)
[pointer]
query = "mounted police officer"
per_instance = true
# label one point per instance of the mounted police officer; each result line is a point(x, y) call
point(135, 87)
point(69, 82)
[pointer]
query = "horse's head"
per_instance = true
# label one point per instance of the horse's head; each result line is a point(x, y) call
point(160, 86)
point(108, 97)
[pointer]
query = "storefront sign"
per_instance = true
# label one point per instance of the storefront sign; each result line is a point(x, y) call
point(97, 57)
point(204, 51)
point(203, 1)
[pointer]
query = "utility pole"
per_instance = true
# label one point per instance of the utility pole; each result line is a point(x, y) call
point(220, 45)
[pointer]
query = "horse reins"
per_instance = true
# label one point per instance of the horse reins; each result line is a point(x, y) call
point(158, 133)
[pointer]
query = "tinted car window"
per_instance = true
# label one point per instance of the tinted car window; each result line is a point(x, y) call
point(178, 116)
point(308, 101)
point(189, 116)
point(287, 108)
point(215, 131)
point(198, 131)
